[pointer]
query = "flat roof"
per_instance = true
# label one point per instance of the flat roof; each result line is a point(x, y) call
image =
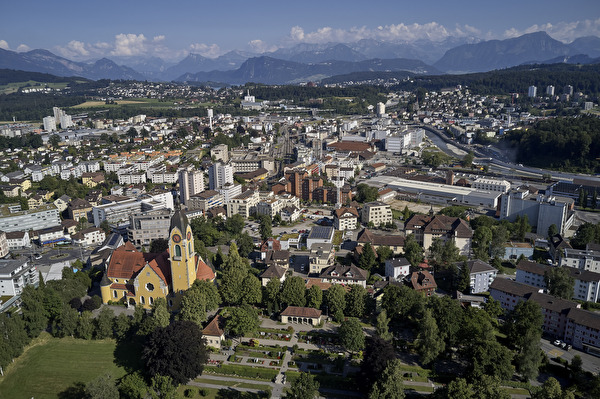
point(321, 232)
point(421, 186)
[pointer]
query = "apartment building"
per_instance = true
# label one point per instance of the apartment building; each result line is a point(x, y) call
point(377, 213)
point(243, 204)
point(144, 227)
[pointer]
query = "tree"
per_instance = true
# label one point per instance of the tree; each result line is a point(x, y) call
point(265, 227)
point(464, 282)
point(164, 387)
point(552, 231)
point(522, 227)
point(132, 133)
point(351, 335)
point(314, 297)
point(133, 386)
point(54, 141)
point(490, 358)
point(389, 385)
point(103, 387)
point(160, 313)
point(245, 244)
point(303, 387)
point(559, 281)
point(85, 327)
point(412, 250)
point(366, 193)
point(401, 301)
point(159, 245)
point(242, 320)
point(199, 299)
point(378, 352)
point(449, 317)
point(482, 237)
point(429, 344)
point(355, 301)
point(234, 224)
point(67, 322)
point(550, 390)
point(34, 313)
point(499, 237)
point(467, 161)
point(381, 327)
point(235, 271)
point(293, 291)
point(384, 253)
point(104, 323)
point(122, 323)
point(271, 295)
point(523, 328)
point(367, 258)
point(335, 298)
point(177, 351)
point(251, 290)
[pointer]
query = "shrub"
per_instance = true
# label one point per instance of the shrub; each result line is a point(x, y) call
point(189, 392)
point(75, 303)
point(203, 392)
point(92, 303)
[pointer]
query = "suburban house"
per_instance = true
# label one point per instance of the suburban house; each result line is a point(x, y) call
point(345, 275)
point(397, 268)
point(301, 315)
point(427, 228)
point(91, 236)
point(345, 218)
point(79, 208)
point(394, 241)
point(422, 282)
point(272, 272)
point(321, 257)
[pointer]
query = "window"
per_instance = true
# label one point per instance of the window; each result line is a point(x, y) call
point(150, 287)
point(115, 294)
point(142, 300)
point(178, 250)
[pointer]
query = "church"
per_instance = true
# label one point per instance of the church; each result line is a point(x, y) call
point(140, 277)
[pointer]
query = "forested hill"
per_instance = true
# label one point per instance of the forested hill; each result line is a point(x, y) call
point(584, 78)
point(12, 76)
point(569, 144)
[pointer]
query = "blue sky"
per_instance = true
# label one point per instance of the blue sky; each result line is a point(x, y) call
point(85, 29)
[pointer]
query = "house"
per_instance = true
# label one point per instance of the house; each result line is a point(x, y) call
point(393, 241)
point(87, 237)
point(509, 292)
point(18, 240)
point(278, 258)
point(426, 228)
point(423, 282)
point(139, 277)
point(321, 257)
point(272, 272)
point(79, 208)
point(376, 213)
point(397, 268)
point(92, 179)
point(214, 333)
point(289, 214)
point(386, 195)
point(62, 202)
point(50, 235)
point(301, 315)
point(345, 275)
point(481, 275)
point(345, 218)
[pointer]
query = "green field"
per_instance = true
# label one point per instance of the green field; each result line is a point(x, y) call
point(141, 102)
point(15, 86)
point(54, 365)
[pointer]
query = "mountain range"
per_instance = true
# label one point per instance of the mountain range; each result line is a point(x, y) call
point(313, 62)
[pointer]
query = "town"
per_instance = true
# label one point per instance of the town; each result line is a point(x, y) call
point(294, 247)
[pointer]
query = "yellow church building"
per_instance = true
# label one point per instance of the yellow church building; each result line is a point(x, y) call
point(140, 277)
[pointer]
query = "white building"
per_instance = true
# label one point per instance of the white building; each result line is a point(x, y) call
point(230, 191)
point(219, 175)
point(491, 185)
point(550, 90)
point(49, 124)
point(377, 213)
point(16, 274)
point(398, 268)
point(532, 91)
point(13, 219)
point(191, 182)
point(581, 259)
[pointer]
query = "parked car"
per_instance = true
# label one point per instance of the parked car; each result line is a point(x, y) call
point(558, 342)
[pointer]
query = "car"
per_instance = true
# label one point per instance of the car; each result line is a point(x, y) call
point(558, 342)
point(37, 256)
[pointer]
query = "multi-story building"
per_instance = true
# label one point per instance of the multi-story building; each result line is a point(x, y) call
point(581, 259)
point(345, 218)
point(14, 219)
point(191, 182)
point(397, 268)
point(491, 185)
point(541, 211)
point(322, 256)
point(144, 227)
point(532, 91)
point(481, 276)
point(219, 175)
point(79, 208)
point(377, 213)
point(243, 204)
point(205, 200)
point(427, 228)
point(395, 242)
point(16, 274)
point(220, 153)
point(4, 244)
point(90, 236)
point(230, 190)
point(17, 240)
point(345, 275)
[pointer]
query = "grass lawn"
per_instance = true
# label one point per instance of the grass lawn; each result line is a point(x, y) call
point(233, 384)
point(52, 365)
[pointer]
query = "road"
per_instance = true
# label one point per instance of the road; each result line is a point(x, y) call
point(590, 363)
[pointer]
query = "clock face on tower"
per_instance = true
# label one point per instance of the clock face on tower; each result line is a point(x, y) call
point(189, 236)
point(176, 238)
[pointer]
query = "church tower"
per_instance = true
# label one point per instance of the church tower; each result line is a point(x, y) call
point(181, 252)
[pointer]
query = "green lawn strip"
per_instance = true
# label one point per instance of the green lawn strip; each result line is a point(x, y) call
point(217, 393)
point(327, 380)
point(516, 391)
point(254, 372)
point(419, 388)
point(47, 369)
point(232, 384)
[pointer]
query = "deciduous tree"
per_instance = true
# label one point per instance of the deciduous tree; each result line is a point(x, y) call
point(389, 385)
point(559, 281)
point(429, 343)
point(242, 320)
point(303, 387)
point(351, 335)
point(293, 291)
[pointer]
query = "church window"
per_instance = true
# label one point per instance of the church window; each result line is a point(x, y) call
point(151, 300)
point(189, 247)
point(115, 293)
point(142, 301)
point(150, 287)
point(177, 250)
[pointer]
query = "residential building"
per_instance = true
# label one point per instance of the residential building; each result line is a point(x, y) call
point(17, 240)
point(422, 282)
point(4, 245)
point(491, 185)
point(191, 182)
point(230, 191)
point(376, 213)
point(481, 276)
point(346, 275)
point(427, 228)
point(50, 235)
point(88, 237)
point(79, 208)
point(220, 153)
point(13, 219)
point(219, 175)
point(397, 268)
point(214, 333)
point(205, 200)
point(394, 241)
point(322, 256)
point(345, 218)
point(243, 204)
point(15, 274)
point(272, 272)
point(582, 259)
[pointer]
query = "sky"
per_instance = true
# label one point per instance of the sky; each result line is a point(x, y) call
point(171, 29)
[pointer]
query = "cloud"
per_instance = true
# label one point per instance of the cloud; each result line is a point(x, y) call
point(4, 45)
point(259, 46)
point(395, 32)
point(129, 44)
point(159, 38)
point(205, 50)
point(563, 31)
point(22, 48)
